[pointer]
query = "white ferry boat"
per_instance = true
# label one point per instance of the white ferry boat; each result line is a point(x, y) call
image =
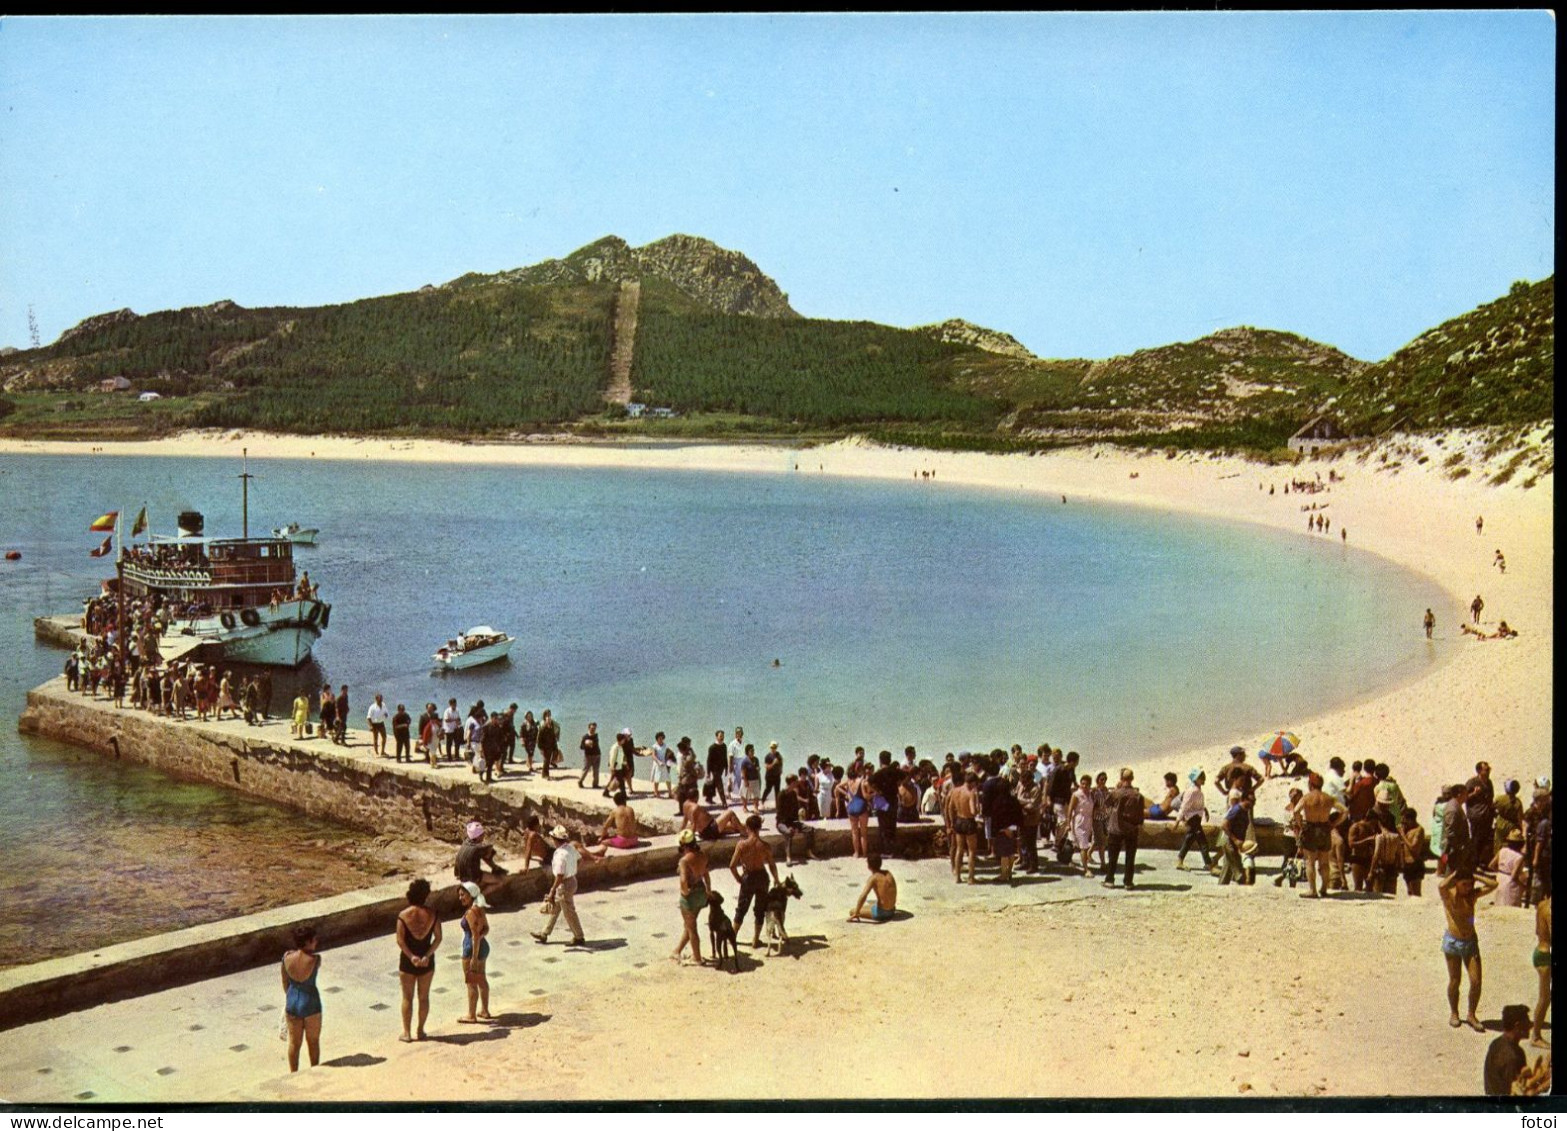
point(479, 645)
point(237, 596)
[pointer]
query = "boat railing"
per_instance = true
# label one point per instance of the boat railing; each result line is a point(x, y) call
point(165, 575)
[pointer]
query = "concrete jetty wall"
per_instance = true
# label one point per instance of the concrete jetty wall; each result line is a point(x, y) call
point(346, 784)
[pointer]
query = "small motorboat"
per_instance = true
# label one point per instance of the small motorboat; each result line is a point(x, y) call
point(298, 535)
point(13, 555)
point(479, 645)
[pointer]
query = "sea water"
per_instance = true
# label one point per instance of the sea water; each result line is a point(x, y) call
point(815, 612)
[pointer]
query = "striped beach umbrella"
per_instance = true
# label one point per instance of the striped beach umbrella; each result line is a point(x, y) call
point(1283, 742)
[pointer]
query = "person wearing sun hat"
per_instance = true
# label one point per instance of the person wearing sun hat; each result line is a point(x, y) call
point(563, 890)
point(474, 855)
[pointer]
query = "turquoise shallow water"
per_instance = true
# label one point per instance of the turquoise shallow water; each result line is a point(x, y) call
point(901, 612)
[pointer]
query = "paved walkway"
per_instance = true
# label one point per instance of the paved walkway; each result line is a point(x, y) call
point(217, 1040)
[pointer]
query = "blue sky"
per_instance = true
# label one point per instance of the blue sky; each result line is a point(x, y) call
point(1092, 183)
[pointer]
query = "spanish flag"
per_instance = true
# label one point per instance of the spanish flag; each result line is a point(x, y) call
point(103, 550)
point(140, 524)
point(104, 521)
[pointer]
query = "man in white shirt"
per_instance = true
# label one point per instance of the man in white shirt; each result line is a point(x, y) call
point(376, 716)
point(563, 890)
point(736, 756)
point(451, 727)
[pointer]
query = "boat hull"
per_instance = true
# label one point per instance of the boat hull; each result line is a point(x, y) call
point(489, 654)
point(281, 637)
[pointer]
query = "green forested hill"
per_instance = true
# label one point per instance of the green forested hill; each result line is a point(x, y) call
point(717, 342)
point(1492, 366)
point(797, 370)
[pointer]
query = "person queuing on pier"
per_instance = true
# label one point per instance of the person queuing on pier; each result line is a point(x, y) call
point(402, 725)
point(377, 716)
point(528, 731)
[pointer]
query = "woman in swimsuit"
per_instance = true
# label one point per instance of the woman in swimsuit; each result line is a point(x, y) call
point(694, 886)
point(475, 951)
point(858, 808)
point(418, 934)
point(301, 998)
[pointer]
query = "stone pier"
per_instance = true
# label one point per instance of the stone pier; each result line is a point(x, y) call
point(348, 784)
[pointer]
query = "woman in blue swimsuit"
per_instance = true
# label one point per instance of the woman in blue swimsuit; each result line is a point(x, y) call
point(475, 950)
point(301, 999)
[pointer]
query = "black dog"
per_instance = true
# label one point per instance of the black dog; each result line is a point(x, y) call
point(775, 905)
point(721, 933)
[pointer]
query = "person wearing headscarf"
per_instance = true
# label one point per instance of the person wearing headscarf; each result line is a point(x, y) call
point(1191, 814)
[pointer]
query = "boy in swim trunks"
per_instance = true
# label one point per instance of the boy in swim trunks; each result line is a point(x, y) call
point(1460, 944)
point(881, 888)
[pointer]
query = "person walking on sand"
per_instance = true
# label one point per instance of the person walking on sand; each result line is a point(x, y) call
point(750, 865)
point(1125, 825)
point(1190, 816)
point(1430, 623)
point(562, 896)
point(1460, 944)
point(881, 889)
point(1479, 524)
point(418, 935)
point(1079, 822)
point(694, 887)
point(1475, 608)
point(301, 997)
point(475, 952)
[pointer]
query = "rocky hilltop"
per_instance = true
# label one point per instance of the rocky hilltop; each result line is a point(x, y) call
point(968, 334)
point(725, 280)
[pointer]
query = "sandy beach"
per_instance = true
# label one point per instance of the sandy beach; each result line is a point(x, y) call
point(1129, 991)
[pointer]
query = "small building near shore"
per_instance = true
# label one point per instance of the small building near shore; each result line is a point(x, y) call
point(1321, 432)
point(114, 385)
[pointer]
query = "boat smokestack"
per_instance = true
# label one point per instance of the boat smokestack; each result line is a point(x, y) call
point(191, 524)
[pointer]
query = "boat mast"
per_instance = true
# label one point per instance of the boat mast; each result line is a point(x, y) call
point(245, 478)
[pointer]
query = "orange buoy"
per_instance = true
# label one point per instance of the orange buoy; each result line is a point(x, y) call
point(13, 555)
